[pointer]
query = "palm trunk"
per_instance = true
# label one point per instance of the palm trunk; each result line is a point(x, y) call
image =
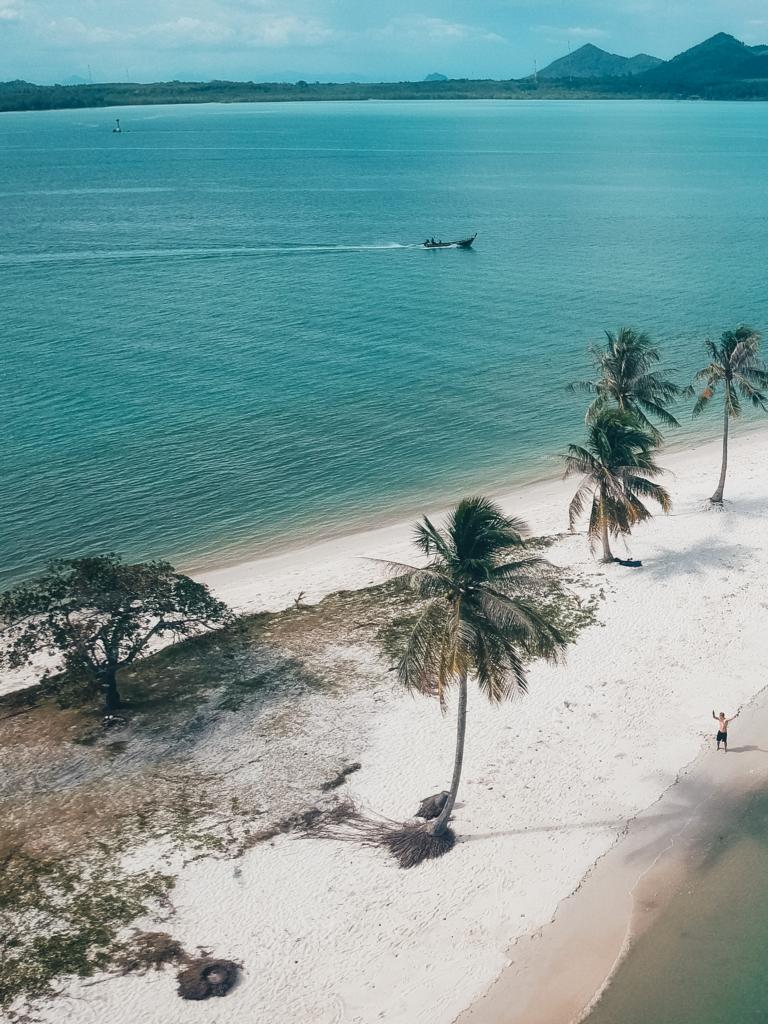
point(607, 553)
point(112, 701)
point(441, 823)
point(717, 497)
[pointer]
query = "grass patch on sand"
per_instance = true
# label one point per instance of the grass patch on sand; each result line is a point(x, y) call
point(76, 797)
point(61, 917)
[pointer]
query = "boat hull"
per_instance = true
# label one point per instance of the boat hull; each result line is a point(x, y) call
point(463, 243)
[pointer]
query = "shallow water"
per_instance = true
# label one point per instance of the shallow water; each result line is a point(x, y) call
point(703, 962)
point(219, 332)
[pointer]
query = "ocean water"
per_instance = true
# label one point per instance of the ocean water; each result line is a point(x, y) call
point(703, 962)
point(220, 337)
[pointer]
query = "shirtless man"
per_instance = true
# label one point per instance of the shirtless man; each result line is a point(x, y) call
point(722, 729)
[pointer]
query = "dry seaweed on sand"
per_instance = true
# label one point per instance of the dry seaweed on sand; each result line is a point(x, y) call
point(410, 843)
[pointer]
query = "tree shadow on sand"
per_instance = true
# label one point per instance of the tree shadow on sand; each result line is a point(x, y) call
point(702, 557)
point(650, 833)
point(576, 826)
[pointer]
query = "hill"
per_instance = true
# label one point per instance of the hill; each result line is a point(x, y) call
point(722, 59)
point(589, 61)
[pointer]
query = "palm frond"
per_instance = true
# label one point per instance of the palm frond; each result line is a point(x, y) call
point(472, 621)
point(587, 386)
point(576, 506)
point(703, 401)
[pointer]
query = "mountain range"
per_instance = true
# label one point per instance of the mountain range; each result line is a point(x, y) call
point(721, 59)
point(589, 61)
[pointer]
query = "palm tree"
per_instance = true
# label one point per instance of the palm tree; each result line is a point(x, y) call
point(737, 366)
point(475, 623)
point(627, 379)
point(618, 470)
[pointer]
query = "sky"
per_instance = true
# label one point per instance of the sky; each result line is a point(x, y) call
point(387, 40)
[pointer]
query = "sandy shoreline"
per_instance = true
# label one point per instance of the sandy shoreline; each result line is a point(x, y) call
point(348, 562)
point(336, 934)
point(627, 889)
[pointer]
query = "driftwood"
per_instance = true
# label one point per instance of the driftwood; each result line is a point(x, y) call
point(432, 806)
point(207, 977)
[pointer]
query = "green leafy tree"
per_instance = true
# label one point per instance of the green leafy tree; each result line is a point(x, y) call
point(96, 615)
point(737, 367)
point(618, 471)
point(627, 379)
point(477, 622)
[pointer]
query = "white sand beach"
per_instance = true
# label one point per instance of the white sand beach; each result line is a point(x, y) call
point(333, 933)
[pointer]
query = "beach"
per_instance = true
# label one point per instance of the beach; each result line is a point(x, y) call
point(335, 933)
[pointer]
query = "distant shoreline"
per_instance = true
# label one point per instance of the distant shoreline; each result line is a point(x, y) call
point(23, 97)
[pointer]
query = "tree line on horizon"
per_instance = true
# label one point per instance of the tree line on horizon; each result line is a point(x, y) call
point(721, 67)
point(96, 615)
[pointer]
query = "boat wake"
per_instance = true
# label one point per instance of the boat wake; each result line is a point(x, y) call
point(96, 255)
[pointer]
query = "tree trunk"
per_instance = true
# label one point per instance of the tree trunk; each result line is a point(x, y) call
point(112, 700)
point(717, 497)
point(441, 823)
point(607, 553)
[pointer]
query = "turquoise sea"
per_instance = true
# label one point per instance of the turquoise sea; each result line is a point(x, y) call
point(219, 337)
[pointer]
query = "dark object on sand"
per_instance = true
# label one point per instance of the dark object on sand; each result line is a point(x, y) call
point(341, 778)
point(631, 563)
point(411, 845)
point(432, 806)
point(207, 977)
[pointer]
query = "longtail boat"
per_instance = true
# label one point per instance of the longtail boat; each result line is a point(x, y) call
point(463, 243)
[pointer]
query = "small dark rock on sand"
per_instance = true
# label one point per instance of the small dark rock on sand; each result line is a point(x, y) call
point(432, 806)
point(207, 977)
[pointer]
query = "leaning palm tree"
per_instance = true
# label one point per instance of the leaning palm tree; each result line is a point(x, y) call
point(618, 469)
point(737, 366)
point(626, 379)
point(477, 622)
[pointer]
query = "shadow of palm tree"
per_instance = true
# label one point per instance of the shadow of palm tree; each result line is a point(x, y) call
point(574, 826)
point(702, 557)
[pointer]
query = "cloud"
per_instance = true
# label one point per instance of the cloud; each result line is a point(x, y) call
point(287, 30)
point(228, 29)
point(249, 31)
point(10, 10)
point(66, 31)
point(574, 32)
point(423, 29)
point(183, 31)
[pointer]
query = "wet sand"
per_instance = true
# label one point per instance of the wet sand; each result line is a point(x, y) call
point(557, 974)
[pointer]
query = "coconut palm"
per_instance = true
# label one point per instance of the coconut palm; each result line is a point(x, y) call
point(627, 379)
point(618, 469)
point(737, 366)
point(476, 623)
